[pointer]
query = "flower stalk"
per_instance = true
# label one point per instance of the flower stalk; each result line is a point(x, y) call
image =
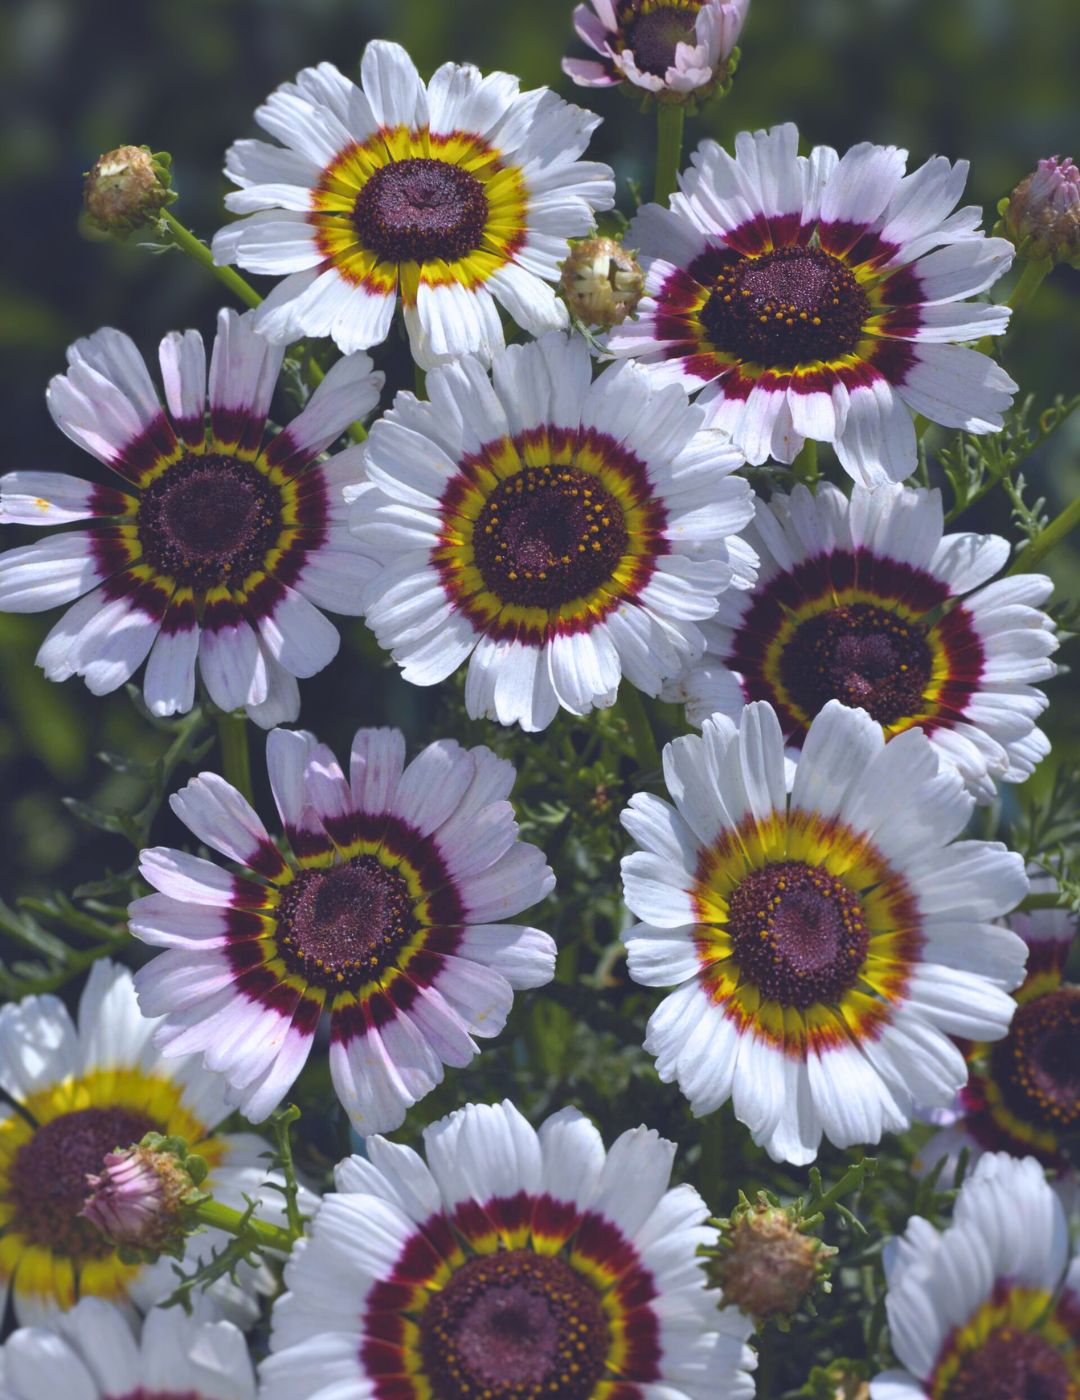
point(670, 121)
point(235, 754)
point(186, 241)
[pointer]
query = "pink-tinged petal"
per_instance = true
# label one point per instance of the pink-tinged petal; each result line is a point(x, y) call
point(329, 793)
point(259, 1098)
point(588, 73)
point(922, 201)
point(117, 639)
point(296, 634)
point(49, 572)
point(282, 703)
point(958, 388)
point(165, 922)
point(481, 996)
point(169, 682)
point(379, 1075)
point(591, 28)
point(218, 815)
point(336, 580)
point(519, 880)
point(948, 322)
point(52, 498)
point(197, 881)
point(858, 190)
point(230, 660)
point(244, 369)
point(879, 442)
point(962, 269)
point(347, 394)
point(524, 956)
point(376, 765)
point(287, 755)
point(182, 355)
point(433, 785)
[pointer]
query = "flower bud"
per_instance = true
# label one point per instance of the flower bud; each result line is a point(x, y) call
point(142, 1201)
point(1042, 215)
point(601, 282)
point(125, 189)
point(767, 1266)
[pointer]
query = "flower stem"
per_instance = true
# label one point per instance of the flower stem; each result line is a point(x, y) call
point(670, 119)
point(1050, 538)
point(195, 248)
point(235, 758)
point(241, 1224)
point(637, 721)
point(805, 465)
point(1031, 279)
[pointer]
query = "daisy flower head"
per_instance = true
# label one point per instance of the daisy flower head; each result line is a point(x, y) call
point(824, 947)
point(1023, 1096)
point(814, 297)
point(92, 1354)
point(669, 47)
point(988, 1308)
point(219, 547)
point(461, 195)
point(385, 913)
point(556, 533)
point(511, 1263)
point(869, 602)
point(82, 1089)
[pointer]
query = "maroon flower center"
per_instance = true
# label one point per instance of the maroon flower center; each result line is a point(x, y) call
point(1013, 1365)
point(653, 37)
point(1037, 1065)
point(339, 928)
point(867, 657)
point(791, 307)
point(208, 520)
point(512, 1326)
point(47, 1180)
point(547, 536)
point(420, 209)
point(798, 933)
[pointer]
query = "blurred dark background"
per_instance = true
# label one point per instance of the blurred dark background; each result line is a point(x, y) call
point(991, 80)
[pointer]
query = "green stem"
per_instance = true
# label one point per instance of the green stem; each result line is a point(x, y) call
point(240, 1224)
point(1031, 279)
point(1050, 538)
point(633, 712)
point(195, 248)
point(805, 465)
point(670, 119)
point(1041, 901)
point(235, 758)
point(419, 382)
point(14, 989)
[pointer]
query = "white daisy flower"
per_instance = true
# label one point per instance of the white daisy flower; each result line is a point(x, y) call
point(868, 602)
point(989, 1308)
point(1023, 1096)
point(93, 1355)
point(824, 947)
point(386, 915)
point(558, 534)
point(221, 547)
point(818, 297)
point(82, 1090)
point(512, 1263)
point(660, 46)
point(462, 194)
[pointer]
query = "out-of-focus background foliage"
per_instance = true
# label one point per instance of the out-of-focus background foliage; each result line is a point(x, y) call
point(990, 80)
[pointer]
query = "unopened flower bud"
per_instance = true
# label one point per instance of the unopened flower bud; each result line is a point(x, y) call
point(601, 282)
point(142, 1200)
point(1042, 215)
point(767, 1266)
point(125, 189)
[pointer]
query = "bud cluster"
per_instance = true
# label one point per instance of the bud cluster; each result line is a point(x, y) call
point(144, 1199)
point(1042, 215)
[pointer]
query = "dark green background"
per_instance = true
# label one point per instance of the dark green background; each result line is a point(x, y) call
point(992, 80)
